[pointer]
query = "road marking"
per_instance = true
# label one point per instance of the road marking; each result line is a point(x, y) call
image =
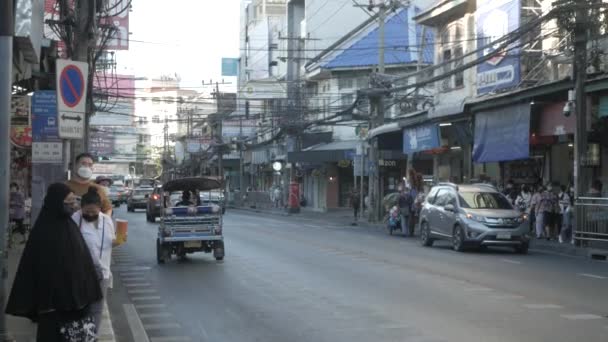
point(131, 274)
point(145, 298)
point(171, 339)
point(581, 317)
point(515, 262)
point(150, 306)
point(155, 315)
point(130, 284)
point(136, 279)
point(135, 324)
point(160, 326)
point(543, 306)
point(141, 291)
point(594, 276)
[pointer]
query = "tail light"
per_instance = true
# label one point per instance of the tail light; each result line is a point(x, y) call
point(155, 197)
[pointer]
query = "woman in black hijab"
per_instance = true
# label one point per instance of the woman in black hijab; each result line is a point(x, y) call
point(56, 280)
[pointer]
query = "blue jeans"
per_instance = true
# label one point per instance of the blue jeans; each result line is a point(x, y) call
point(404, 222)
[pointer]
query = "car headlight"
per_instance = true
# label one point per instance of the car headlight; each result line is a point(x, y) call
point(523, 218)
point(168, 211)
point(215, 209)
point(476, 217)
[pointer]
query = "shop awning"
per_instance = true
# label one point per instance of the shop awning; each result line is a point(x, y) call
point(386, 128)
point(329, 152)
point(502, 134)
point(406, 120)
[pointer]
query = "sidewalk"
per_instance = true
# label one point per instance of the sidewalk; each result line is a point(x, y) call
point(345, 217)
point(21, 329)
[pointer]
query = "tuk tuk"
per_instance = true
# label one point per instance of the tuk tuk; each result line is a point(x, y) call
point(189, 226)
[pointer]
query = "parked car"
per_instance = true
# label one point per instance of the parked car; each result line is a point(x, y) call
point(472, 216)
point(117, 195)
point(139, 199)
point(153, 206)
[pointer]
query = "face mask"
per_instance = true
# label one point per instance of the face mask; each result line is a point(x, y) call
point(85, 172)
point(90, 218)
point(549, 188)
point(69, 209)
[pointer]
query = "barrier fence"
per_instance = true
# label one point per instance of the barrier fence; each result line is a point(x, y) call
point(591, 217)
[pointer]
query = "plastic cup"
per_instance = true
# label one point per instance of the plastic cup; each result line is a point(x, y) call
point(121, 230)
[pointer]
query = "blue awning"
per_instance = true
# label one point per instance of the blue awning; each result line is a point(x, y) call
point(502, 134)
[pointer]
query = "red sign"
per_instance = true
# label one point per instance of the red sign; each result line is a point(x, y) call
point(21, 136)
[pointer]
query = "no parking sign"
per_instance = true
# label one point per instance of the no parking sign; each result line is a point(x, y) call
point(71, 98)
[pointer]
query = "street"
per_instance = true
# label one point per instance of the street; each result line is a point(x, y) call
point(289, 279)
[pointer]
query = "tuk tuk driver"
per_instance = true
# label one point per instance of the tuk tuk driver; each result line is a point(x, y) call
point(185, 202)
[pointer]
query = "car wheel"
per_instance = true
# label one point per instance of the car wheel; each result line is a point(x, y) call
point(425, 235)
point(160, 255)
point(218, 251)
point(522, 249)
point(458, 239)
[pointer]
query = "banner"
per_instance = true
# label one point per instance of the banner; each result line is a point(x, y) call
point(230, 66)
point(496, 19)
point(421, 138)
point(502, 134)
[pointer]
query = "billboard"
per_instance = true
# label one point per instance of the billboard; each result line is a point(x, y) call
point(101, 143)
point(115, 95)
point(495, 19)
point(230, 66)
point(421, 138)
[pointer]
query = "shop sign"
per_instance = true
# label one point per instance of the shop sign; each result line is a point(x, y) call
point(21, 136)
point(20, 110)
point(420, 138)
point(387, 163)
point(496, 19)
point(47, 152)
point(193, 146)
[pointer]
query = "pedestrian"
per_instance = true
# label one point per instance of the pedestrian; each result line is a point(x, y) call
point(564, 203)
point(512, 194)
point(509, 187)
point(277, 196)
point(17, 211)
point(566, 232)
point(538, 189)
point(98, 231)
point(81, 181)
point(523, 200)
point(355, 202)
point(105, 183)
point(56, 280)
point(405, 209)
point(545, 213)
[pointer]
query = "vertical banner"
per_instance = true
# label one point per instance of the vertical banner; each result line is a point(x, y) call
point(496, 19)
point(502, 134)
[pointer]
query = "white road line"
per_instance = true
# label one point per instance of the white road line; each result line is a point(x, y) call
point(594, 276)
point(160, 326)
point(581, 317)
point(543, 306)
point(150, 306)
point(128, 284)
point(155, 315)
point(145, 298)
point(134, 279)
point(171, 339)
point(135, 324)
point(141, 291)
point(515, 262)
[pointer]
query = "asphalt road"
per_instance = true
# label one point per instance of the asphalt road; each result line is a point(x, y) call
point(288, 279)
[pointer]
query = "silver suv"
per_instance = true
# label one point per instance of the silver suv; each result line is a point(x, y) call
point(472, 216)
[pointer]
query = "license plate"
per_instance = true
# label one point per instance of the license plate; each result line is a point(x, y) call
point(193, 244)
point(503, 236)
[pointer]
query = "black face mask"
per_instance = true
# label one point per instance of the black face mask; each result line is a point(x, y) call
point(69, 209)
point(90, 218)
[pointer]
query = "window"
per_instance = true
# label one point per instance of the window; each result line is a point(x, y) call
point(432, 196)
point(452, 47)
point(484, 200)
point(156, 119)
point(347, 99)
point(345, 83)
point(443, 198)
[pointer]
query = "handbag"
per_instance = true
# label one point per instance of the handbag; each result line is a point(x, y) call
point(80, 330)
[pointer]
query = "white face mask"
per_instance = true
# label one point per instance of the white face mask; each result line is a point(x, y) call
point(85, 172)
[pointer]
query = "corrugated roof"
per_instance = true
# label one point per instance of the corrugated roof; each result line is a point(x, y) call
point(402, 41)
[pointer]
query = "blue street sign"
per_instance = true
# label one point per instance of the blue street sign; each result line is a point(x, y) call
point(44, 116)
point(71, 86)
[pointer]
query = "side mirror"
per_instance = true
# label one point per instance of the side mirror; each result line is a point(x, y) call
point(450, 208)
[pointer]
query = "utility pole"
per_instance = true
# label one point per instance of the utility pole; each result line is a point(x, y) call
point(6, 80)
point(241, 167)
point(580, 76)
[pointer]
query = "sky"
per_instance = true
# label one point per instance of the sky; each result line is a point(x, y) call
point(187, 37)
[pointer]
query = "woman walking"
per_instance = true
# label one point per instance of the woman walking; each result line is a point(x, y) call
point(98, 231)
point(56, 280)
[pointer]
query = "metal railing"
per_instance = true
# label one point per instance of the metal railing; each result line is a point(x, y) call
point(591, 217)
